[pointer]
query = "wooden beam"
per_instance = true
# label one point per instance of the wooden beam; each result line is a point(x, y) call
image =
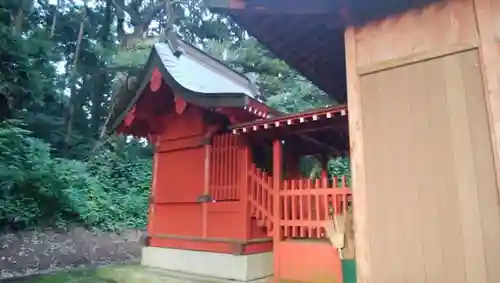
point(488, 19)
point(287, 7)
point(416, 57)
point(358, 169)
point(318, 129)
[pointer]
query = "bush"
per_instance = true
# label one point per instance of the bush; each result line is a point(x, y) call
point(37, 189)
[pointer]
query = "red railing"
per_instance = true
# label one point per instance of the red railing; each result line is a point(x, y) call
point(305, 205)
point(224, 167)
point(260, 197)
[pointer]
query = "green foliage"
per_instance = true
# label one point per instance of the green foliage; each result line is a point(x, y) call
point(39, 189)
point(340, 166)
point(337, 167)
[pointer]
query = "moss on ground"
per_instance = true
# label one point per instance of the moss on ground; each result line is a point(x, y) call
point(117, 274)
point(93, 275)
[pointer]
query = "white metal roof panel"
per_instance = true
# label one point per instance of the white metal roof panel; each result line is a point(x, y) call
point(199, 72)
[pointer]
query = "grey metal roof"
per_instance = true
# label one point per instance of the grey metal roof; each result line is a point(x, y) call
point(193, 74)
point(198, 72)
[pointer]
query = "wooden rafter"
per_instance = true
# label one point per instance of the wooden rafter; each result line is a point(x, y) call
point(292, 119)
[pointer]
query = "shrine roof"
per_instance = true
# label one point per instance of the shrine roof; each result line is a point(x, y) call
point(196, 72)
point(197, 76)
point(194, 75)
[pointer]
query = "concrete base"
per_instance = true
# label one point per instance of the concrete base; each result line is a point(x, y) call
point(241, 268)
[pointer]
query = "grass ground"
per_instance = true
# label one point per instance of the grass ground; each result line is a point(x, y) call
point(118, 274)
point(75, 276)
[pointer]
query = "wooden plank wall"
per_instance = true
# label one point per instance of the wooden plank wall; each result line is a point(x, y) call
point(424, 104)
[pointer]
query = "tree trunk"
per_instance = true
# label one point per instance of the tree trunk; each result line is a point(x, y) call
point(54, 19)
point(18, 21)
point(73, 80)
point(101, 85)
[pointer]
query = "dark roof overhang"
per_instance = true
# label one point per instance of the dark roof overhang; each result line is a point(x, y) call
point(309, 35)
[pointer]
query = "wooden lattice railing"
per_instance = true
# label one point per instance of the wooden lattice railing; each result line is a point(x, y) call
point(224, 167)
point(306, 205)
point(260, 196)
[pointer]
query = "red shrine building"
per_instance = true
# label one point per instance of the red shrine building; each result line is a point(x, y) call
point(227, 198)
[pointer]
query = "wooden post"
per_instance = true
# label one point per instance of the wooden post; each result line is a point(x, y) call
point(152, 194)
point(357, 160)
point(243, 185)
point(206, 187)
point(277, 176)
point(488, 19)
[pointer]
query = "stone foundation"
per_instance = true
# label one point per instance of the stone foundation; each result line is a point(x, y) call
point(242, 268)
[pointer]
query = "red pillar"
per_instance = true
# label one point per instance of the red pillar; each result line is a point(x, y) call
point(245, 161)
point(277, 181)
point(206, 188)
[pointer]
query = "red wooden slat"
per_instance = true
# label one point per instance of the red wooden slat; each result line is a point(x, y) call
point(232, 167)
point(237, 167)
point(217, 168)
point(324, 181)
point(303, 205)
point(344, 182)
point(213, 172)
point(295, 213)
point(227, 171)
point(269, 191)
point(309, 207)
point(286, 206)
point(225, 167)
point(335, 182)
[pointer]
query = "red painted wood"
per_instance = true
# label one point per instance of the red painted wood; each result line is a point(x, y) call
point(225, 174)
point(180, 105)
point(303, 205)
point(130, 117)
point(308, 261)
point(277, 182)
point(211, 245)
point(156, 80)
point(310, 204)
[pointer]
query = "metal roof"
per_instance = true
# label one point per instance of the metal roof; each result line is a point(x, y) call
point(194, 75)
point(196, 71)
